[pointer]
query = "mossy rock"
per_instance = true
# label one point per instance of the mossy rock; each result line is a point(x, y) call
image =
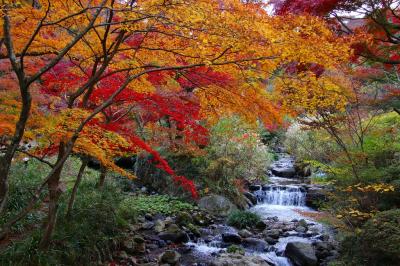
point(184, 218)
point(217, 205)
point(194, 229)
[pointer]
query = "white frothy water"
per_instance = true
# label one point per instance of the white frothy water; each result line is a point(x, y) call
point(282, 195)
point(284, 199)
point(271, 257)
point(205, 248)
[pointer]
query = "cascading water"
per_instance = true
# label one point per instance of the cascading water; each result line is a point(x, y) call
point(283, 200)
point(281, 195)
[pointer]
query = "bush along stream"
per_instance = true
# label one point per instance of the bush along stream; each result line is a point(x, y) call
point(275, 230)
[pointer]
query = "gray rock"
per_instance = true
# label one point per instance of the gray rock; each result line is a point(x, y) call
point(274, 233)
point(174, 234)
point(251, 197)
point(301, 254)
point(231, 238)
point(323, 237)
point(284, 171)
point(315, 195)
point(200, 219)
point(271, 240)
point(238, 260)
point(194, 230)
point(261, 225)
point(288, 227)
point(322, 246)
point(148, 217)
point(255, 244)
point(147, 225)
point(184, 218)
point(303, 223)
point(217, 205)
point(245, 233)
point(170, 256)
point(134, 246)
point(300, 229)
point(159, 226)
point(168, 221)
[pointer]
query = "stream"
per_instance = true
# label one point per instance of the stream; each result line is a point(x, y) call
point(280, 204)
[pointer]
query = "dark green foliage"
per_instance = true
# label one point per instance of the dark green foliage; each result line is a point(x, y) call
point(26, 177)
point(377, 243)
point(243, 219)
point(234, 156)
point(235, 249)
point(271, 138)
point(87, 236)
point(143, 204)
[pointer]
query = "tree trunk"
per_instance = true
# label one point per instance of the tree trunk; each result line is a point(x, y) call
point(76, 185)
point(54, 195)
point(4, 169)
point(103, 174)
point(26, 100)
point(137, 164)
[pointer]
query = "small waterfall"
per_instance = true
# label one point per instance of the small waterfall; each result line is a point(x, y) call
point(282, 195)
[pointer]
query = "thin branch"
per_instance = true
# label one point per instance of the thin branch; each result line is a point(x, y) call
point(40, 159)
point(67, 48)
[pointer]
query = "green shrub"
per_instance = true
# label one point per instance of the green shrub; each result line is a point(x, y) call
point(24, 179)
point(235, 249)
point(235, 153)
point(378, 241)
point(133, 206)
point(86, 237)
point(243, 219)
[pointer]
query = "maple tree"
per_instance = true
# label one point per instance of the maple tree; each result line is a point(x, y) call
point(83, 75)
point(378, 18)
point(376, 25)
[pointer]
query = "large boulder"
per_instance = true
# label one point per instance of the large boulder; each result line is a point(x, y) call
point(315, 196)
point(174, 234)
point(184, 218)
point(245, 233)
point(284, 171)
point(301, 254)
point(273, 233)
point(255, 244)
point(238, 260)
point(231, 238)
point(217, 205)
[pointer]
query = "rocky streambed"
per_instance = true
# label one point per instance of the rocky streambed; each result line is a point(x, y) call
point(284, 237)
